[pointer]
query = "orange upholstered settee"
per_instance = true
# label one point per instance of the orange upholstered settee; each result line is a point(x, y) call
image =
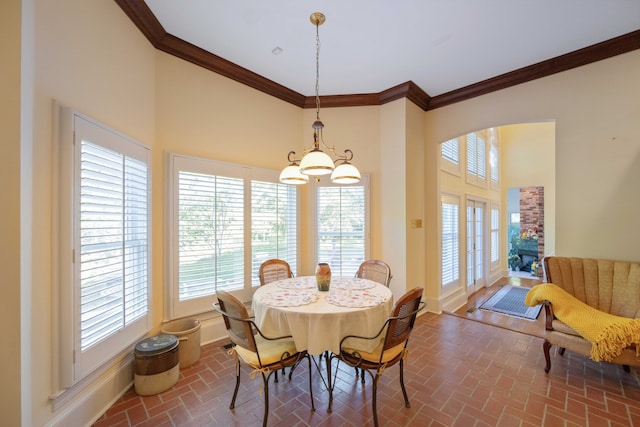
point(609, 286)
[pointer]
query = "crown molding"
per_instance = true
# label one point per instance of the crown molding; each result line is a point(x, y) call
point(597, 52)
point(147, 23)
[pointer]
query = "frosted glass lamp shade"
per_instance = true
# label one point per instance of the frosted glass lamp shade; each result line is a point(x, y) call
point(291, 175)
point(316, 163)
point(345, 173)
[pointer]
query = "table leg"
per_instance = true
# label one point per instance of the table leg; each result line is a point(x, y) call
point(327, 355)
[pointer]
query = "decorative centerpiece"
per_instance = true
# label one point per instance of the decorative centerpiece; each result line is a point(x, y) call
point(323, 276)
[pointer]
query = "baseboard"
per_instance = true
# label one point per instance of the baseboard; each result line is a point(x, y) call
point(97, 396)
point(100, 393)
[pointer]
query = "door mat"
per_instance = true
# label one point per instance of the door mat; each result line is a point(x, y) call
point(510, 300)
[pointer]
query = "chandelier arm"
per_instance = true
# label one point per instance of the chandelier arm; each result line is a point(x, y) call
point(315, 161)
point(347, 157)
point(291, 157)
point(330, 148)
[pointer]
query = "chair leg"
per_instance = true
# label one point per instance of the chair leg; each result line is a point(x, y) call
point(404, 390)
point(374, 393)
point(235, 392)
point(545, 348)
point(265, 381)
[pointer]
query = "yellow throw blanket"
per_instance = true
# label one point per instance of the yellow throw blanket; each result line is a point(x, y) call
point(607, 333)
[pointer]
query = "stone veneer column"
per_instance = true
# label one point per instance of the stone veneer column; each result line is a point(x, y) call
point(532, 214)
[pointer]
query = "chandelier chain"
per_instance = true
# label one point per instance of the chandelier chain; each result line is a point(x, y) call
point(314, 161)
point(317, 70)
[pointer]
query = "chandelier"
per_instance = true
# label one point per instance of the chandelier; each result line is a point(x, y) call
point(316, 162)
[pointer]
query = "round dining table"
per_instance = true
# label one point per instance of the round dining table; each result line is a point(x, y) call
point(317, 320)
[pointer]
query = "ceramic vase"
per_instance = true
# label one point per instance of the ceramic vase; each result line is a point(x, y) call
point(323, 276)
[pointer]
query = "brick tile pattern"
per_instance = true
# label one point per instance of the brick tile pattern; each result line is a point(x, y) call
point(459, 373)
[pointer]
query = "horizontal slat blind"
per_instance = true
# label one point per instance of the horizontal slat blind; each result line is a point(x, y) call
point(476, 156)
point(210, 234)
point(273, 225)
point(495, 235)
point(113, 242)
point(341, 228)
point(450, 262)
point(450, 150)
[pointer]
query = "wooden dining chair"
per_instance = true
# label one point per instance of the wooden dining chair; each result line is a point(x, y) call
point(393, 338)
point(376, 270)
point(274, 269)
point(266, 355)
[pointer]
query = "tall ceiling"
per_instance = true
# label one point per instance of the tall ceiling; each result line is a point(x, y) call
point(369, 46)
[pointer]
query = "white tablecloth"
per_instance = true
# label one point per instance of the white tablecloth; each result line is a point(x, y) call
point(319, 325)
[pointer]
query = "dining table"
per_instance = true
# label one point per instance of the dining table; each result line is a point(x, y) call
point(318, 320)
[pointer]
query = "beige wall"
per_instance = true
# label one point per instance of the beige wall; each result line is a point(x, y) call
point(349, 127)
point(529, 160)
point(88, 57)
point(597, 151)
point(11, 368)
point(415, 197)
point(91, 57)
point(205, 115)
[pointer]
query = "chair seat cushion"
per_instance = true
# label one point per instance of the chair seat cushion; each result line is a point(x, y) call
point(374, 356)
point(271, 351)
point(560, 326)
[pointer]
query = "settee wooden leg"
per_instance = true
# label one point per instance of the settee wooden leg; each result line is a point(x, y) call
point(545, 347)
point(561, 351)
point(626, 368)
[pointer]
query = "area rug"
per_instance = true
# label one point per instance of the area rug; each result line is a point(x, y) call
point(510, 300)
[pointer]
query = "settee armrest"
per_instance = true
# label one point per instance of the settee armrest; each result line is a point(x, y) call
point(549, 316)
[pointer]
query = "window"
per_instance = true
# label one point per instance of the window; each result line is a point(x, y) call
point(494, 159)
point(495, 235)
point(342, 226)
point(476, 159)
point(450, 241)
point(226, 220)
point(273, 225)
point(450, 156)
point(104, 213)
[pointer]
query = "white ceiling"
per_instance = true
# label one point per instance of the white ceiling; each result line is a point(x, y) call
point(368, 46)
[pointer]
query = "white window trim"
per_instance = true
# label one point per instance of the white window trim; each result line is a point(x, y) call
point(70, 368)
point(447, 165)
point(173, 308)
point(364, 181)
point(494, 142)
point(495, 206)
point(471, 177)
point(456, 199)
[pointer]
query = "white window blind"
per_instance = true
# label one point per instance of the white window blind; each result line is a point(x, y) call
point(450, 256)
point(114, 242)
point(476, 159)
point(104, 241)
point(450, 156)
point(273, 225)
point(210, 234)
point(495, 235)
point(342, 229)
point(450, 150)
point(493, 161)
point(225, 220)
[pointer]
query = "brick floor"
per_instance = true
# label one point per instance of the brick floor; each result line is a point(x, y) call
point(459, 372)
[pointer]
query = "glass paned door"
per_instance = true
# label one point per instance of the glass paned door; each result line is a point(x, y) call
point(475, 246)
